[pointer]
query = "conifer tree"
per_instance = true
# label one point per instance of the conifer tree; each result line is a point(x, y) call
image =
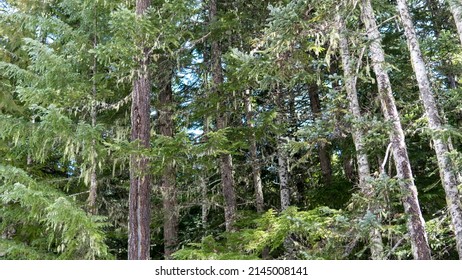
point(447, 174)
point(416, 223)
point(139, 200)
point(93, 114)
point(323, 151)
point(226, 160)
point(166, 127)
point(358, 135)
point(282, 152)
point(58, 144)
point(256, 174)
point(224, 106)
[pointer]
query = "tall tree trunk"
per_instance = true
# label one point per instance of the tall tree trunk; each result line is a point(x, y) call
point(283, 172)
point(168, 188)
point(447, 173)
point(323, 151)
point(139, 195)
point(282, 153)
point(358, 137)
point(204, 179)
point(226, 161)
point(283, 166)
point(204, 176)
point(295, 194)
point(415, 223)
point(259, 201)
point(93, 178)
point(205, 202)
point(456, 9)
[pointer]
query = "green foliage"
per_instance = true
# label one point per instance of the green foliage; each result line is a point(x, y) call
point(440, 236)
point(66, 70)
point(11, 250)
point(50, 215)
point(313, 234)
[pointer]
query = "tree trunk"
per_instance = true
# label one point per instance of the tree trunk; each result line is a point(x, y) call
point(456, 9)
point(349, 167)
point(168, 188)
point(139, 195)
point(283, 168)
point(283, 172)
point(447, 173)
point(438, 14)
point(415, 223)
point(93, 178)
point(259, 201)
point(171, 213)
point(323, 151)
point(204, 179)
point(282, 153)
point(366, 188)
point(226, 161)
point(205, 203)
point(295, 194)
point(204, 175)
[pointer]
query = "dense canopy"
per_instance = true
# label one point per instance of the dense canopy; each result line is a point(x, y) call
point(219, 129)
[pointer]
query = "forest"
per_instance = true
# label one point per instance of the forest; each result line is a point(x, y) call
point(230, 129)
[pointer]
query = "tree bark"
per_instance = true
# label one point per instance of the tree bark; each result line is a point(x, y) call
point(259, 200)
point(447, 173)
point(171, 213)
point(283, 172)
point(415, 223)
point(204, 179)
point(226, 161)
point(366, 188)
point(282, 153)
point(456, 9)
point(139, 194)
point(166, 127)
point(205, 203)
point(323, 151)
point(93, 176)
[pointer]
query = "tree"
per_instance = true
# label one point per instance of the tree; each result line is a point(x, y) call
point(282, 152)
point(57, 143)
point(323, 152)
point(139, 199)
point(256, 174)
point(447, 173)
point(416, 223)
point(267, 111)
point(166, 127)
point(226, 161)
point(358, 135)
point(93, 176)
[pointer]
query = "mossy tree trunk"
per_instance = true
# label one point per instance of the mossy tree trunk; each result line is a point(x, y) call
point(447, 172)
point(415, 223)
